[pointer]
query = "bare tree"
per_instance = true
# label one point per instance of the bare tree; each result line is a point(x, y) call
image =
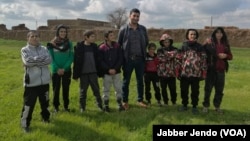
point(118, 17)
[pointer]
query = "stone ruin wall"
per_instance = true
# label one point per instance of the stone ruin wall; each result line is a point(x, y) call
point(237, 37)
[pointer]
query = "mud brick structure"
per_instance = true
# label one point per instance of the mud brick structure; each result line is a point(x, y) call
point(237, 37)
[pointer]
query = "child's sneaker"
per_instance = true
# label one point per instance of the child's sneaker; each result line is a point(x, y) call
point(159, 103)
point(121, 108)
point(106, 109)
point(219, 111)
point(148, 102)
point(205, 110)
point(183, 108)
point(125, 105)
point(67, 110)
point(56, 110)
point(100, 107)
point(82, 110)
point(46, 121)
point(195, 110)
point(26, 129)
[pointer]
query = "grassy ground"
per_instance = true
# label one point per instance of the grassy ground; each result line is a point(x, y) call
point(135, 124)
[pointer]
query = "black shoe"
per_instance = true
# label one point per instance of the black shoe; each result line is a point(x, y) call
point(26, 129)
point(159, 103)
point(121, 108)
point(67, 110)
point(195, 110)
point(183, 108)
point(165, 104)
point(106, 109)
point(56, 110)
point(148, 102)
point(100, 108)
point(46, 121)
point(219, 111)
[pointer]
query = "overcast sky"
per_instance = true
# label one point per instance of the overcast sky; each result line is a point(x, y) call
point(154, 13)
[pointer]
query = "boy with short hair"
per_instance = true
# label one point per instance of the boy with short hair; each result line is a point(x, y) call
point(86, 67)
point(35, 59)
point(111, 59)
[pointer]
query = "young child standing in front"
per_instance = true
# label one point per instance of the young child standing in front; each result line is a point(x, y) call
point(86, 67)
point(111, 59)
point(193, 69)
point(150, 74)
point(166, 69)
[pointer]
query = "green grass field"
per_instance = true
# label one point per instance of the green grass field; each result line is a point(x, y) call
point(93, 125)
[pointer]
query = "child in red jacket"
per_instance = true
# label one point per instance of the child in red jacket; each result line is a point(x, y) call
point(150, 74)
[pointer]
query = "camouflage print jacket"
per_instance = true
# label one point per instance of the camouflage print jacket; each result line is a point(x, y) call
point(192, 60)
point(167, 61)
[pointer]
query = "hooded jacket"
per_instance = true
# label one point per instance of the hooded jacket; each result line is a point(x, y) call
point(167, 58)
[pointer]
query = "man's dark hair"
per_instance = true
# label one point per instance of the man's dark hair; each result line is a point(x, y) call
point(134, 10)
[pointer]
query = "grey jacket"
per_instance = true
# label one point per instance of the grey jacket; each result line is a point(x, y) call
point(123, 40)
point(36, 61)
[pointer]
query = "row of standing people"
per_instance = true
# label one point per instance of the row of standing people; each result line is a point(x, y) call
point(190, 64)
point(90, 62)
point(193, 63)
point(132, 43)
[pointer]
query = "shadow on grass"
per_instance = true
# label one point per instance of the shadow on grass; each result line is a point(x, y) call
point(72, 131)
point(173, 116)
point(96, 125)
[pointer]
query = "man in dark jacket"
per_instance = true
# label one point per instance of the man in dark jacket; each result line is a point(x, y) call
point(133, 39)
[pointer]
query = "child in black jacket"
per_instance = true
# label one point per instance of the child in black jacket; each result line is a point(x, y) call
point(111, 59)
point(85, 67)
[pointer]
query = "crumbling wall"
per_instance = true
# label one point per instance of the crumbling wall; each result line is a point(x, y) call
point(237, 37)
point(20, 27)
point(3, 27)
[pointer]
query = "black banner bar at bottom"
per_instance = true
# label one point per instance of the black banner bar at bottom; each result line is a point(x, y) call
point(218, 132)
